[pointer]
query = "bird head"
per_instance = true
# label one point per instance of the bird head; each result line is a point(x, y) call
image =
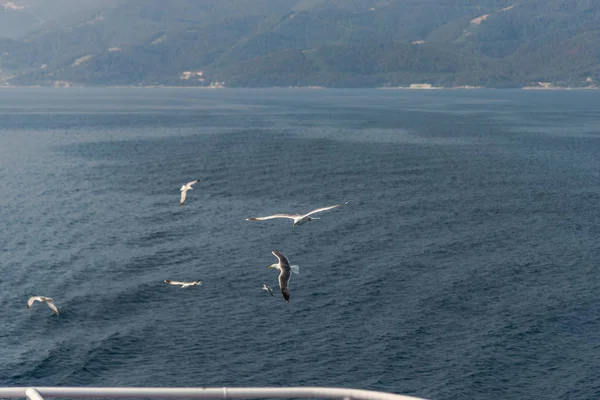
point(272, 266)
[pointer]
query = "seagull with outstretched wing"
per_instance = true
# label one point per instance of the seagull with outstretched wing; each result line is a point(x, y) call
point(299, 219)
point(268, 289)
point(184, 189)
point(184, 284)
point(42, 299)
point(285, 273)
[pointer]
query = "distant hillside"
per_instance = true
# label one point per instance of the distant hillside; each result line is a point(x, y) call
point(20, 17)
point(337, 43)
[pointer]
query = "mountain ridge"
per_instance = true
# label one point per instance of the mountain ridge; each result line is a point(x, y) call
point(333, 43)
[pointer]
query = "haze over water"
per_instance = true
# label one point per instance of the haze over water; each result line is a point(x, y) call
point(465, 266)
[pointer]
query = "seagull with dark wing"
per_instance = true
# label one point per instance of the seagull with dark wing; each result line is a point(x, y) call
point(268, 289)
point(285, 270)
point(184, 189)
point(42, 299)
point(299, 219)
point(184, 284)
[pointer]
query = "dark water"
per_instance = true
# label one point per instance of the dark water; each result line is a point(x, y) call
point(465, 266)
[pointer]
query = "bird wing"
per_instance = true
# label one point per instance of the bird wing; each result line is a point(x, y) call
point(286, 294)
point(32, 300)
point(284, 263)
point(189, 184)
point(183, 194)
point(174, 282)
point(290, 216)
point(284, 280)
point(322, 209)
point(52, 306)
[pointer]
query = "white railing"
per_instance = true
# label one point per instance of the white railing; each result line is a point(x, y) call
point(38, 393)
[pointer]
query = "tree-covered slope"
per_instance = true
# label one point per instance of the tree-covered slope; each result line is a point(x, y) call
point(498, 43)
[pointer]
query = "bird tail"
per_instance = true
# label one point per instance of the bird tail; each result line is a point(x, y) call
point(295, 269)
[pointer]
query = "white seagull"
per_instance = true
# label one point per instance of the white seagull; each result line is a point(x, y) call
point(184, 189)
point(183, 284)
point(268, 289)
point(42, 299)
point(285, 273)
point(299, 219)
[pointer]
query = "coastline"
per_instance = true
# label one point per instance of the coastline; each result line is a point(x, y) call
point(295, 87)
point(559, 88)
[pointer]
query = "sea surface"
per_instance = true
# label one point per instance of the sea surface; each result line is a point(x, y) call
point(466, 264)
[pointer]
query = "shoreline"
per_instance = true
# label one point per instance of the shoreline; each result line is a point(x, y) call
point(297, 87)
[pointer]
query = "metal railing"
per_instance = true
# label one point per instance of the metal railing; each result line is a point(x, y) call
point(39, 393)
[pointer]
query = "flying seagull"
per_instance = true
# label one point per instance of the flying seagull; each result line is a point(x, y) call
point(285, 273)
point(183, 284)
point(268, 289)
point(42, 299)
point(184, 189)
point(298, 218)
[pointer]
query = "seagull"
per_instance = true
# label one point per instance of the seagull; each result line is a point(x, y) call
point(184, 189)
point(298, 218)
point(268, 289)
point(42, 299)
point(284, 275)
point(183, 284)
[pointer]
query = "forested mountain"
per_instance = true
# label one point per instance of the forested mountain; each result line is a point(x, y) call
point(19, 17)
point(335, 43)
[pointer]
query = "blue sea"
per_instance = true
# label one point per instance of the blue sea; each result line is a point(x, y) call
point(466, 264)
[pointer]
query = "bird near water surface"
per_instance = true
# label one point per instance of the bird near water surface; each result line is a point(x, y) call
point(268, 289)
point(285, 272)
point(184, 189)
point(184, 284)
point(299, 219)
point(42, 299)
